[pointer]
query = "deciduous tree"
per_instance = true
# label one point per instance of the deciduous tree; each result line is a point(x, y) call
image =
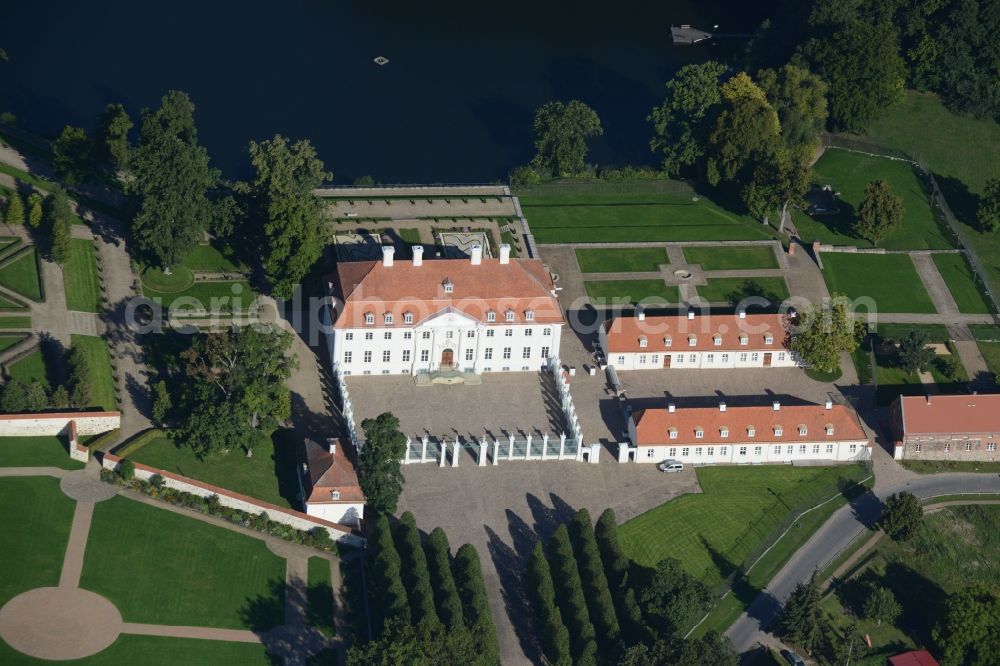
point(914, 354)
point(881, 211)
point(745, 131)
point(286, 177)
point(673, 598)
point(881, 605)
point(162, 403)
point(969, 630)
point(15, 210)
point(822, 333)
point(902, 516)
point(60, 222)
point(425, 644)
point(561, 133)
point(35, 212)
point(989, 206)
point(681, 124)
point(73, 155)
point(799, 98)
point(80, 372)
point(115, 126)
point(379, 468)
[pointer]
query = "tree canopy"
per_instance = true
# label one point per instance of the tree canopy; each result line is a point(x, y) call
point(800, 618)
point(286, 175)
point(914, 354)
point(673, 598)
point(681, 123)
point(881, 211)
point(60, 223)
point(170, 177)
point(746, 131)
point(968, 632)
point(799, 98)
point(379, 468)
point(823, 333)
point(425, 644)
point(989, 206)
point(73, 155)
point(902, 516)
point(561, 133)
point(115, 126)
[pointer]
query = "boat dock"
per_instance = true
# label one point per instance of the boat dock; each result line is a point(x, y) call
point(685, 34)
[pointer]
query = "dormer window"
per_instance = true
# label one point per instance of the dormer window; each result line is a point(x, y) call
point(829, 428)
point(744, 339)
point(778, 431)
point(692, 340)
point(668, 341)
point(802, 431)
point(672, 433)
point(448, 285)
point(335, 495)
point(642, 341)
point(717, 340)
point(407, 317)
point(751, 431)
point(509, 315)
point(768, 339)
point(369, 318)
point(698, 433)
point(387, 318)
point(529, 315)
point(491, 316)
point(723, 431)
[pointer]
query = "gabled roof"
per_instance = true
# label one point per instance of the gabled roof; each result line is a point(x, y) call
point(653, 425)
point(624, 333)
point(326, 472)
point(977, 414)
point(519, 286)
point(914, 658)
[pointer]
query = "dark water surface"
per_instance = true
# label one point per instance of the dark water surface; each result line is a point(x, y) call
point(455, 103)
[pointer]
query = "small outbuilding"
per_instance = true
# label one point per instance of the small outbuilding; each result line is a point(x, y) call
point(329, 482)
point(913, 658)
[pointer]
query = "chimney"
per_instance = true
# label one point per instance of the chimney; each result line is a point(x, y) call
point(928, 398)
point(742, 313)
point(722, 406)
point(671, 408)
point(691, 314)
point(331, 445)
point(476, 253)
point(418, 254)
point(828, 404)
point(387, 252)
point(640, 314)
point(504, 253)
point(776, 406)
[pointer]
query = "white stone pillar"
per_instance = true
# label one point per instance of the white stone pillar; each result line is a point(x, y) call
point(562, 445)
point(482, 452)
point(423, 453)
point(510, 451)
point(496, 451)
point(527, 448)
point(454, 454)
point(406, 460)
point(444, 452)
point(545, 445)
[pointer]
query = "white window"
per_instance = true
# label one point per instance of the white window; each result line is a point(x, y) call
point(348, 336)
point(407, 317)
point(692, 358)
point(406, 356)
point(744, 339)
point(768, 339)
point(387, 318)
point(992, 446)
point(781, 356)
point(368, 356)
point(947, 448)
point(743, 357)
point(717, 340)
point(680, 359)
point(685, 451)
point(348, 356)
point(802, 431)
point(757, 450)
point(918, 447)
point(489, 354)
point(829, 428)
point(829, 448)
point(491, 316)
point(468, 354)
point(490, 332)
point(643, 342)
point(642, 359)
point(672, 433)
point(508, 332)
point(790, 449)
point(509, 315)
point(471, 333)
point(725, 358)
point(743, 450)
point(711, 450)
point(650, 453)
point(852, 448)
point(506, 352)
point(751, 431)
point(545, 352)
point(722, 450)
point(754, 356)
point(723, 432)
point(450, 335)
point(407, 335)
point(527, 332)
point(697, 450)
point(426, 335)
point(621, 359)
point(369, 336)
point(699, 433)
point(778, 430)
point(369, 318)
point(802, 448)
point(710, 359)
point(815, 448)
point(672, 452)
point(777, 450)
point(968, 446)
point(386, 355)
point(449, 286)
point(668, 342)
point(425, 355)
point(655, 359)
point(526, 352)
point(692, 340)
point(546, 331)
point(529, 315)
point(388, 335)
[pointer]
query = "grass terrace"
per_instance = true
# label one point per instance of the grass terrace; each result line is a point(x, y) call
point(225, 295)
point(15, 322)
point(30, 368)
point(269, 475)
point(849, 173)
point(621, 260)
point(965, 289)
point(81, 277)
point(36, 452)
point(212, 259)
point(160, 651)
point(9, 340)
point(891, 280)
point(319, 596)
point(21, 275)
point(893, 381)
point(610, 292)
point(715, 258)
point(211, 577)
point(988, 338)
point(733, 290)
point(102, 380)
point(582, 211)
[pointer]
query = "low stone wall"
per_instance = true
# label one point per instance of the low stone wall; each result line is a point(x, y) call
point(70, 424)
point(234, 500)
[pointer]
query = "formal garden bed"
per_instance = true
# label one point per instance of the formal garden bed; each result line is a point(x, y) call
point(82, 278)
point(621, 260)
point(891, 280)
point(716, 258)
point(21, 274)
point(733, 290)
point(969, 294)
point(36, 452)
point(624, 292)
point(893, 380)
point(102, 379)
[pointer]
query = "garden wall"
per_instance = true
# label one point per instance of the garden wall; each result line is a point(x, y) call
point(71, 424)
point(290, 517)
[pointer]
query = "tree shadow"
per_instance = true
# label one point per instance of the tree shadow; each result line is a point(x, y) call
point(286, 467)
point(963, 203)
point(54, 357)
point(510, 570)
point(267, 610)
point(751, 288)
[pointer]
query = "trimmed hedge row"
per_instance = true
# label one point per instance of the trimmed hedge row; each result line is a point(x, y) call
point(438, 555)
point(472, 591)
point(554, 634)
point(416, 577)
point(569, 593)
point(616, 568)
point(595, 584)
point(388, 592)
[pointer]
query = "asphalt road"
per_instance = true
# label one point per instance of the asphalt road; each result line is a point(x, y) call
point(835, 535)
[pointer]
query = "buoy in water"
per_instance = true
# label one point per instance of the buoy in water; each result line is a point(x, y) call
point(381, 60)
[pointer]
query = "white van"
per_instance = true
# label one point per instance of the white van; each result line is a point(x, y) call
point(671, 466)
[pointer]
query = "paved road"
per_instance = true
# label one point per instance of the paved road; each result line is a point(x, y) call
point(835, 535)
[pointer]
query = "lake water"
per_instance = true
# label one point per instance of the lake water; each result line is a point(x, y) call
point(454, 104)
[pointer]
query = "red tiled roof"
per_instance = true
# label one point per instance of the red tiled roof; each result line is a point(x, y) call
point(626, 333)
point(950, 414)
point(519, 286)
point(914, 658)
point(653, 425)
point(327, 472)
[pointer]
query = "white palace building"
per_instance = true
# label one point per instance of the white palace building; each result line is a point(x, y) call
point(472, 315)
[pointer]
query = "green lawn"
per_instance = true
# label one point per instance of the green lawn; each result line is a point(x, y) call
point(893, 381)
point(991, 354)
point(608, 292)
point(410, 236)
point(179, 279)
point(269, 475)
point(848, 173)
point(225, 295)
point(102, 380)
point(9, 340)
point(934, 332)
point(34, 532)
point(957, 273)
point(861, 356)
point(621, 260)
point(714, 258)
point(30, 368)
point(597, 211)
point(7, 304)
point(212, 259)
point(210, 576)
point(36, 452)
point(714, 531)
point(891, 280)
point(158, 651)
point(733, 290)
point(320, 596)
point(21, 275)
point(15, 322)
point(80, 275)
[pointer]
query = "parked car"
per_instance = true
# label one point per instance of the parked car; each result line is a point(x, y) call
point(792, 658)
point(671, 466)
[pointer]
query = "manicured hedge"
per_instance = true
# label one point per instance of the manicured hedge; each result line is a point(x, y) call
point(553, 633)
point(416, 578)
point(388, 593)
point(569, 594)
point(438, 554)
point(595, 585)
point(472, 591)
point(616, 569)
